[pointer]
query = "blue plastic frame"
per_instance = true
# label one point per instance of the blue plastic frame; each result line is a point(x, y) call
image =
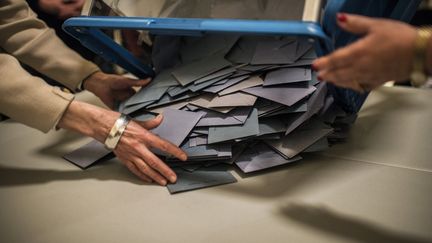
point(88, 30)
point(328, 36)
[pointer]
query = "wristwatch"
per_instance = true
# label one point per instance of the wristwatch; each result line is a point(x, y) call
point(116, 132)
point(418, 75)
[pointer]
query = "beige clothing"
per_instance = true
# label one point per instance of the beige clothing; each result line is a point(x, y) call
point(239, 9)
point(29, 99)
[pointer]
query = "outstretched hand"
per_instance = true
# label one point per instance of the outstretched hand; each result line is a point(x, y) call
point(385, 52)
point(135, 147)
point(134, 150)
point(111, 88)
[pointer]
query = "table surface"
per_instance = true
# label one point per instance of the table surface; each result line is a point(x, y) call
point(374, 188)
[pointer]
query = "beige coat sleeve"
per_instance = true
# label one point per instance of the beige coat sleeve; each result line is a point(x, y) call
point(25, 98)
point(28, 39)
point(28, 99)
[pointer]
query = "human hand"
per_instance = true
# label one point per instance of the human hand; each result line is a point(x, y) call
point(111, 88)
point(63, 9)
point(133, 149)
point(384, 53)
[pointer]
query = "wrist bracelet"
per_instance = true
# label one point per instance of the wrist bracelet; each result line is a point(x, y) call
point(116, 132)
point(418, 76)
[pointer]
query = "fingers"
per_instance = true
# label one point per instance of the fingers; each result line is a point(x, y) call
point(124, 83)
point(131, 166)
point(134, 146)
point(165, 146)
point(153, 167)
point(342, 57)
point(355, 24)
point(339, 75)
point(146, 165)
point(343, 77)
point(151, 124)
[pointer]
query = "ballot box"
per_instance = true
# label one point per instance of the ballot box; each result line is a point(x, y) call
point(232, 78)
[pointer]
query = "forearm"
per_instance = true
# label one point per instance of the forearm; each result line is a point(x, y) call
point(88, 120)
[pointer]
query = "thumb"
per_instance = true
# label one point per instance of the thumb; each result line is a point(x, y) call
point(153, 123)
point(355, 24)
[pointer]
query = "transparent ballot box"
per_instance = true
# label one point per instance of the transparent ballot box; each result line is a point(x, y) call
point(232, 78)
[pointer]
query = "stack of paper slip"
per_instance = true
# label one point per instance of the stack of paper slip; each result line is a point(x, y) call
point(253, 102)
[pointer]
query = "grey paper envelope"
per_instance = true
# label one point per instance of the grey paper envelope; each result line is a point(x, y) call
point(201, 130)
point(131, 109)
point(318, 146)
point(200, 152)
point(248, 83)
point(266, 107)
point(256, 68)
point(237, 116)
point(299, 107)
point(298, 63)
point(220, 73)
point(195, 48)
point(297, 141)
point(147, 94)
point(303, 48)
point(271, 126)
point(190, 72)
point(176, 125)
point(204, 100)
point(208, 83)
point(167, 100)
point(261, 157)
point(230, 82)
point(88, 154)
point(178, 90)
point(288, 75)
point(244, 49)
point(315, 103)
point(275, 52)
point(284, 95)
point(164, 79)
point(234, 99)
point(310, 54)
point(229, 133)
point(199, 178)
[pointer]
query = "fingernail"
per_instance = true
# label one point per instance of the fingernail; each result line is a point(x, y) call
point(173, 178)
point(183, 157)
point(341, 17)
point(163, 182)
point(314, 68)
point(320, 78)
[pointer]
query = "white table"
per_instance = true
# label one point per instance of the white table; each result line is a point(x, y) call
point(375, 188)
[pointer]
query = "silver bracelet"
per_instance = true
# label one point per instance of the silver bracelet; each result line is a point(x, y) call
point(116, 132)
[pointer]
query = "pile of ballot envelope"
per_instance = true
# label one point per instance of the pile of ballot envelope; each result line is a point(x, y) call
point(252, 102)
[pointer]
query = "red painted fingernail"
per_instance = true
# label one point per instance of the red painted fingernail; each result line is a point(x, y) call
point(314, 68)
point(341, 17)
point(320, 78)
